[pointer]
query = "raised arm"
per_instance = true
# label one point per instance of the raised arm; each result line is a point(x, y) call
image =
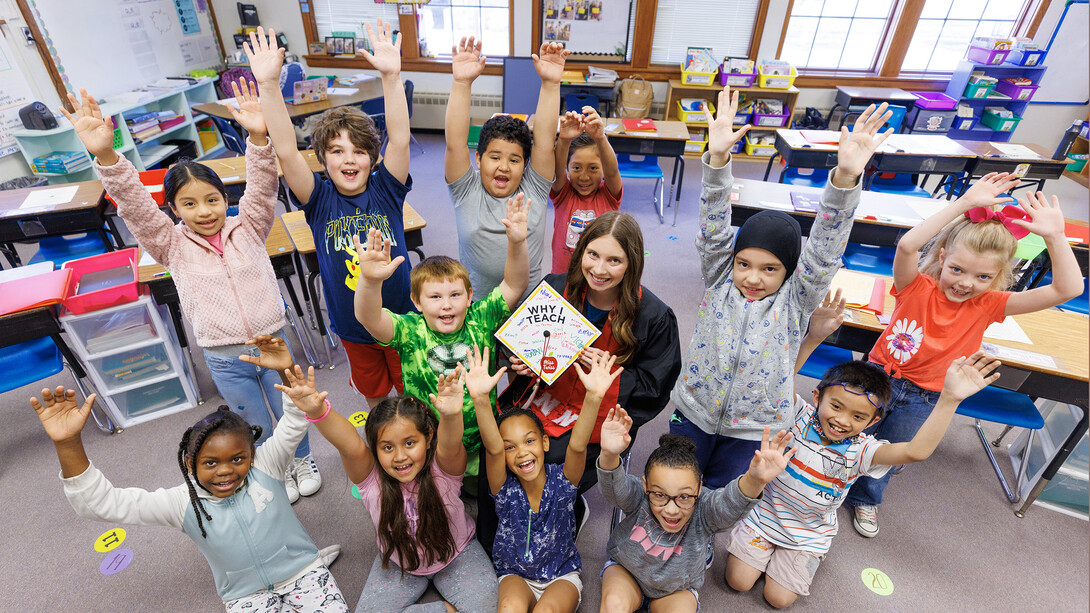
point(375, 267)
point(450, 453)
point(549, 63)
point(985, 192)
point(597, 382)
point(825, 320)
point(516, 271)
point(965, 377)
point(615, 438)
point(767, 462)
point(357, 458)
point(265, 62)
point(479, 384)
point(571, 126)
point(63, 420)
point(466, 64)
point(387, 59)
point(1048, 223)
point(596, 128)
point(715, 239)
point(94, 131)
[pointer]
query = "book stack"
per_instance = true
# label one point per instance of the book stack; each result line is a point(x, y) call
point(739, 65)
point(168, 119)
point(61, 162)
point(120, 336)
point(135, 366)
point(143, 127)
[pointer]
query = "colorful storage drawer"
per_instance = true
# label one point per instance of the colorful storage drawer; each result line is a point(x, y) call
point(987, 56)
point(1016, 92)
point(697, 78)
point(978, 90)
point(736, 79)
point(965, 123)
point(929, 120)
point(694, 116)
point(1023, 57)
point(1000, 124)
point(776, 81)
point(761, 150)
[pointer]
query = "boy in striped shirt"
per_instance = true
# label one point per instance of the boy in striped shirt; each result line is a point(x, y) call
point(788, 533)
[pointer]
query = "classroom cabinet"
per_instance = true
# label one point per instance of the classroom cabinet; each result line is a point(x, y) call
point(133, 359)
point(1015, 100)
point(193, 127)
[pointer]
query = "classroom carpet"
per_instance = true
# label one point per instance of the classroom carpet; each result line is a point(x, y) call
point(949, 541)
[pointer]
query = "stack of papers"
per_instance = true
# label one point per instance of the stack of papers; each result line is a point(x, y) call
point(601, 75)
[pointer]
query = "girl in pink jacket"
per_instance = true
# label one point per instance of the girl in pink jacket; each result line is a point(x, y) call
point(225, 280)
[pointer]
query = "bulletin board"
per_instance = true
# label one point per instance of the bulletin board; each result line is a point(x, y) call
point(115, 46)
point(588, 27)
point(15, 93)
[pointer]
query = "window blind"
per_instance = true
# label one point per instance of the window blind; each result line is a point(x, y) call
point(725, 25)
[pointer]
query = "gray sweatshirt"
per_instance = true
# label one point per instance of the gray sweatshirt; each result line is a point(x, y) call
point(661, 562)
point(740, 373)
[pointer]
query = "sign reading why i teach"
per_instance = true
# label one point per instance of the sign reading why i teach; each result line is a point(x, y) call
point(547, 333)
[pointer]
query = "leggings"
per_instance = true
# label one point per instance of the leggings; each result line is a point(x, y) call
point(468, 582)
point(315, 591)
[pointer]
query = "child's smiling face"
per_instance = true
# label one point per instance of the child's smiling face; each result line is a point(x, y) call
point(222, 463)
point(677, 483)
point(965, 274)
point(402, 450)
point(524, 448)
point(585, 170)
point(501, 166)
point(842, 413)
point(444, 304)
point(347, 165)
point(201, 206)
point(758, 273)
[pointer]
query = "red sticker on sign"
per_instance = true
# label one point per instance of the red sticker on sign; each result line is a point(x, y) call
point(548, 365)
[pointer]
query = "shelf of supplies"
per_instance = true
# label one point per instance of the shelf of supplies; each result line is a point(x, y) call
point(145, 343)
point(121, 389)
point(677, 84)
point(213, 152)
point(154, 159)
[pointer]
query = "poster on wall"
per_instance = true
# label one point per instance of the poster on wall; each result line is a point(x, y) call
point(588, 27)
point(14, 94)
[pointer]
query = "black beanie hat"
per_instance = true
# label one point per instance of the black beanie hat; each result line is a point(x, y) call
point(775, 232)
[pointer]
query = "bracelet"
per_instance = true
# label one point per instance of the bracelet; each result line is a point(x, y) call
point(328, 408)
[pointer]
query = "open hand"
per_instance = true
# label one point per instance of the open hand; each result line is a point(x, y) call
point(375, 262)
point(478, 381)
point(598, 381)
point(1047, 220)
point(571, 125)
point(248, 114)
point(772, 457)
point(721, 132)
point(615, 437)
point(387, 55)
point(61, 417)
point(264, 56)
point(828, 316)
point(519, 367)
point(967, 376)
point(303, 391)
point(451, 393)
point(987, 190)
point(274, 353)
point(593, 124)
point(95, 131)
point(466, 61)
point(515, 222)
point(858, 145)
point(549, 62)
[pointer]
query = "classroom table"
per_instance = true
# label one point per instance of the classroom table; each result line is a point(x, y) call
point(1031, 168)
point(850, 95)
point(303, 239)
point(365, 90)
point(85, 211)
point(901, 153)
point(1055, 335)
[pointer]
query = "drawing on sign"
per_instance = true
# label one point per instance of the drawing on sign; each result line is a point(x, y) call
point(547, 333)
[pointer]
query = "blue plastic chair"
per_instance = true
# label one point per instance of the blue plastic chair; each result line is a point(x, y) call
point(1012, 409)
point(30, 361)
point(576, 102)
point(869, 258)
point(899, 183)
point(1079, 304)
point(810, 177)
point(822, 359)
point(645, 168)
point(234, 141)
point(895, 120)
point(60, 249)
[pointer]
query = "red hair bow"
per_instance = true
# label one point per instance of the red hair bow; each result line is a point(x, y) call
point(1006, 216)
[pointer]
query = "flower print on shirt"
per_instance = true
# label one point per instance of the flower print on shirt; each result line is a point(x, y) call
point(905, 340)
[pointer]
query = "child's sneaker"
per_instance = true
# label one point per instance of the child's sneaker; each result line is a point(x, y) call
point(866, 521)
point(329, 554)
point(711, 555)
point(290, 485)
point(306, 475)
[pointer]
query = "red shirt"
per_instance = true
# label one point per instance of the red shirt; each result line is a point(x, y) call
point(928, 331)
point(572, 214)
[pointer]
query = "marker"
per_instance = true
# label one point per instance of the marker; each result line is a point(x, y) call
point(160, 274)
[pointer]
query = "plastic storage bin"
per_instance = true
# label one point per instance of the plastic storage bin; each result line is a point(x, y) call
point(736, 79)
point(770, 120)
point(987, 56)
point(1022, 57)
point(690, 77)
point(776, 81)
point(965, 123)
point(132, 368)
point(741, 119)
point(738, 146)
point(694, 116)
point(929, 120)
point(761, 150)
point(151, 401)
point(1016, 92)
point(111, 296)
point(1078, 161)
point(978, 90)
point(111, 330)
point(1000, 124)
point(935, 101)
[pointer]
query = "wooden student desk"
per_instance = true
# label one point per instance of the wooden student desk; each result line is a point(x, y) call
point(86, 211)
point(989, 159)
point(1062, 336)
point(303, 239)
point(364, 91)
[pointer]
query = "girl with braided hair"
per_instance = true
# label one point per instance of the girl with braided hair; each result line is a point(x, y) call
point(231, 492)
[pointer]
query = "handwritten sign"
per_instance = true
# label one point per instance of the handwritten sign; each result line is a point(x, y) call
point(547, 333)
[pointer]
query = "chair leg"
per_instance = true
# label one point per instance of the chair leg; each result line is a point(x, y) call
point(1013, 497)
point(413, 141)
point(999, 439)
point(304, 341)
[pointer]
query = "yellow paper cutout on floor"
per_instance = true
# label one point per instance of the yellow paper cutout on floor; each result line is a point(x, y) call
point(877, 581)
point(109, 540)
point(358, 418)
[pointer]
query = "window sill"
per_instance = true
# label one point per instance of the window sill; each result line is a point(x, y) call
point(424, 64)
point(830, 80)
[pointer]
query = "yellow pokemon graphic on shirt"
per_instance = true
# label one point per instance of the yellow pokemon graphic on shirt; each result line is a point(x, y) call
point(339, 233)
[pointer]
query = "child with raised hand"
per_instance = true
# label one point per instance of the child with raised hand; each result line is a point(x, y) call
point(658, 553)
point(225, 280)
point(534, 550)
point(946, 301)
point(233, 503)
point(509, 162)
point(409, 472)
point(432, 342)
point(587, 183)
point(761, 287)
point(788, 533)
point(360, 193)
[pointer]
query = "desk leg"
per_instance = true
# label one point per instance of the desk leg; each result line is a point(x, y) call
point(768, 167)
point(678, 161)
point(320, 320)
point(12, 256)
point(183, 340)
point(1058, 461)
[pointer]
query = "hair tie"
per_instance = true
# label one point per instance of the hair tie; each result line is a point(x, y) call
point(1005, 216)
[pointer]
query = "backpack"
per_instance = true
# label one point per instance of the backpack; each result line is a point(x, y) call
point(634, 98)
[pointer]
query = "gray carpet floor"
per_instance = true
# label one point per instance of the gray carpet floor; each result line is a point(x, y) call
point(948, 541)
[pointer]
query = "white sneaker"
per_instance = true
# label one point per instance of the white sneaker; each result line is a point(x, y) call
point(866, 521)
point(329, 554)
point(291, 486)
point(307, 475)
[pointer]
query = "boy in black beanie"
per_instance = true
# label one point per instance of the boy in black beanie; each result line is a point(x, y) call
point(756, 305)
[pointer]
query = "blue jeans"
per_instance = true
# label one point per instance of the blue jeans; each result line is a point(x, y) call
point(242, 384)
point(907, 409)
point(721, 458)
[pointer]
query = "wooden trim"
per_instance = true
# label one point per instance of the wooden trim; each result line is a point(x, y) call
point(832, 81)
point(407, 24)
point(644, 34)
point(535, 27)
point(783, 30)
point(906, 19)
point(511, 27)
point(39, 43)
point(423, 64)
point(219, 35)
point(1042, 8)
point(310, 26)
point(758, 29)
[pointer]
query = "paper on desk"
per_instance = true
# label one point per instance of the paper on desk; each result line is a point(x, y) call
point(926, 207)
point(1014, 151)
point(228, 102)
point(1007, 330)
point(1020, 355)
point(49, 197)
point(341, 91)
point(856, 289)
point(146, 259)
point(776, 206)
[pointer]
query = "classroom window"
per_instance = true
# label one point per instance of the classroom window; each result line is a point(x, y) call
point(442, 23)
point(946, 27)
point(680, 24)
point(349, 16)
point(836, 34)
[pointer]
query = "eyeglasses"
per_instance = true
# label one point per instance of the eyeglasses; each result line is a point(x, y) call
point(659, 500)
point(858, 391)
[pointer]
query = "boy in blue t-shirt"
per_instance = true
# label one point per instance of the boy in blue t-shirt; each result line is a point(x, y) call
point(359, 194)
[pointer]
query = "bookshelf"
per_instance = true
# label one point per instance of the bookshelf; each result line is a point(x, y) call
point(956, 90)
